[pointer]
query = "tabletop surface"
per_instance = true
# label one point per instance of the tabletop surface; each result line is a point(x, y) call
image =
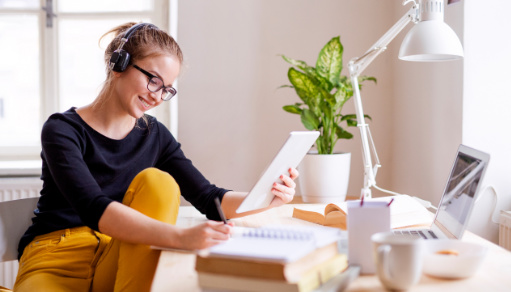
point(176, 270)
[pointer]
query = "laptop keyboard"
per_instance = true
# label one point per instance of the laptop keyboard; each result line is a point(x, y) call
point(425, 234)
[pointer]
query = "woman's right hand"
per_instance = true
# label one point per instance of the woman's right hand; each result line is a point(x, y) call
point(204, 235)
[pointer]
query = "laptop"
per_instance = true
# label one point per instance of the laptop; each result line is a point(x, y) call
point(459, 196)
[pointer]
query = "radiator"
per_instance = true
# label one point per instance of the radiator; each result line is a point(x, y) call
point(13, 188)
point(505, 229)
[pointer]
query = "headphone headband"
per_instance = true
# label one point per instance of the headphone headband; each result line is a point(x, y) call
point(134, 28)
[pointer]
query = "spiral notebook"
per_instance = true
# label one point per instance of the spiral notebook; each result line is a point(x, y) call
point(276, 243)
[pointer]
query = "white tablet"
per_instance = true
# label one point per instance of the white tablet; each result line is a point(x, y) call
point(289, 156)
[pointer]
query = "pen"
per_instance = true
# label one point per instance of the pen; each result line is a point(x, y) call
point(392, 200)
point(220, 212)
point(362, 201)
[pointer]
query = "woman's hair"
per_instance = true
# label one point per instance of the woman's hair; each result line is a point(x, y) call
point(144, 42)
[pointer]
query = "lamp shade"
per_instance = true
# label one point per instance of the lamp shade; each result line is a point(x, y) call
point(431, 41)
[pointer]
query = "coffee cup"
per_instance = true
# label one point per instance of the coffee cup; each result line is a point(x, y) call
point(398, 259)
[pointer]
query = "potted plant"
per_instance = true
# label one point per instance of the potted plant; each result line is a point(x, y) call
point(323, 91)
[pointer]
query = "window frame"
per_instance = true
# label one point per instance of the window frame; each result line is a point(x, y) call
point(163, 15)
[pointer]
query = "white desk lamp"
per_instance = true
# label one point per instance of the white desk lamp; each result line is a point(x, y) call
point(430, 40)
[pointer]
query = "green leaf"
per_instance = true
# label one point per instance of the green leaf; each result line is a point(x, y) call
point(296, 63)
point(345, 85)
point(304, 86)
point(330, 98)
point(329, 63)
point(340, 97)
point(351, 123)
point(294, 109)
point(351, 119)
point(309, 120)
point(301, 65)
point(364, 78)
point(343, 134)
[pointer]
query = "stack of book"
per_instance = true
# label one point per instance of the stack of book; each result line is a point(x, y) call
point(274, 258)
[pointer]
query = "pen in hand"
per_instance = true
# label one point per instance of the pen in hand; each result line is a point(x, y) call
point(220, 212)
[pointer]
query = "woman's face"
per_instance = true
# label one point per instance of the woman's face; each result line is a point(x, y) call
point(131, 85)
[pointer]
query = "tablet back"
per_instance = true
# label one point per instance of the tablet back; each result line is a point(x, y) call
point(289, 156)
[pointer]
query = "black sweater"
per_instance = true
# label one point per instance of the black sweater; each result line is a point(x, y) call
point(84, 171)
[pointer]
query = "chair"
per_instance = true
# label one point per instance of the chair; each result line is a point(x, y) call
point(15, 218)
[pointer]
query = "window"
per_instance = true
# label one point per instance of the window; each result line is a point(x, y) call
point(52, 60)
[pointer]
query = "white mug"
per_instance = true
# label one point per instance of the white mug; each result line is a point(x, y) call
point(398, 259)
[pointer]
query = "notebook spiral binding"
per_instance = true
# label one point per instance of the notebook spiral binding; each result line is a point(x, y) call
point(277, 233)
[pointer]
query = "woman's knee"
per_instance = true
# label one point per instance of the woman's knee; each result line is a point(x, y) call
point(155, 186)
point(157, 181)
point(154, 175)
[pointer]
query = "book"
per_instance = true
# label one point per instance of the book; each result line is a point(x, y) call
point(405, 212)
point(309, 281)
point(267, 269)
point(333, 216)
point(277, 243)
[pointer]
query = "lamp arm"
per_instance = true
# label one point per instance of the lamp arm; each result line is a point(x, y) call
point(360, 63)
point(356, 66)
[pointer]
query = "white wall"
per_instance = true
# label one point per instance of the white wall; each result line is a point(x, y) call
point(487, 103)
point(231, 121)
point(427, 120)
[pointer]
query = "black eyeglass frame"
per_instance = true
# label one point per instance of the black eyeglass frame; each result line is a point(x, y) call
point(167, 93)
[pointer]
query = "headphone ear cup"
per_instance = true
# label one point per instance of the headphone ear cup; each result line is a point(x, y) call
point(120, 60)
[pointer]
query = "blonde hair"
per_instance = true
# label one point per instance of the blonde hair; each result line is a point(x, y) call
point(144, 42)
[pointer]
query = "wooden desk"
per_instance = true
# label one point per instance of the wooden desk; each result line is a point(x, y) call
point(175, 271)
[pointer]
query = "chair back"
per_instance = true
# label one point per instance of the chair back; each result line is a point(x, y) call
point(15, 217)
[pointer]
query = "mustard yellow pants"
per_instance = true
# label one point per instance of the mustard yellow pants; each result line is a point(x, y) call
point(81, 259)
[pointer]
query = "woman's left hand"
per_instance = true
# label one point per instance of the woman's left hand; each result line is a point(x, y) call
point(284, 191)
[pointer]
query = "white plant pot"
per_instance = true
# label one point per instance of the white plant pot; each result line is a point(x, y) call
point(324, 177)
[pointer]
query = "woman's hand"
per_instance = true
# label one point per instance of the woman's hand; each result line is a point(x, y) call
point(285, 190)
point(204, 235)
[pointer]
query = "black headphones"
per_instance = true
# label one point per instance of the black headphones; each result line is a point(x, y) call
point(120, 59)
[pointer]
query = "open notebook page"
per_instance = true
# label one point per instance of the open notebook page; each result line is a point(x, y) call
point(277, 243)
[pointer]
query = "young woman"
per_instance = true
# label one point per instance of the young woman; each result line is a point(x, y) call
point(113, 177)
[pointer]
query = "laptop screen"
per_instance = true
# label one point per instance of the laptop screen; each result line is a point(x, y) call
point(460, 192)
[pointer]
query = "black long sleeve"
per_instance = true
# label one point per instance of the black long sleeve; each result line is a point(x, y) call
point(84, 171)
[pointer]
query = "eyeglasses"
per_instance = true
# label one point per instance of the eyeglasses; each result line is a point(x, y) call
point(155, 84)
